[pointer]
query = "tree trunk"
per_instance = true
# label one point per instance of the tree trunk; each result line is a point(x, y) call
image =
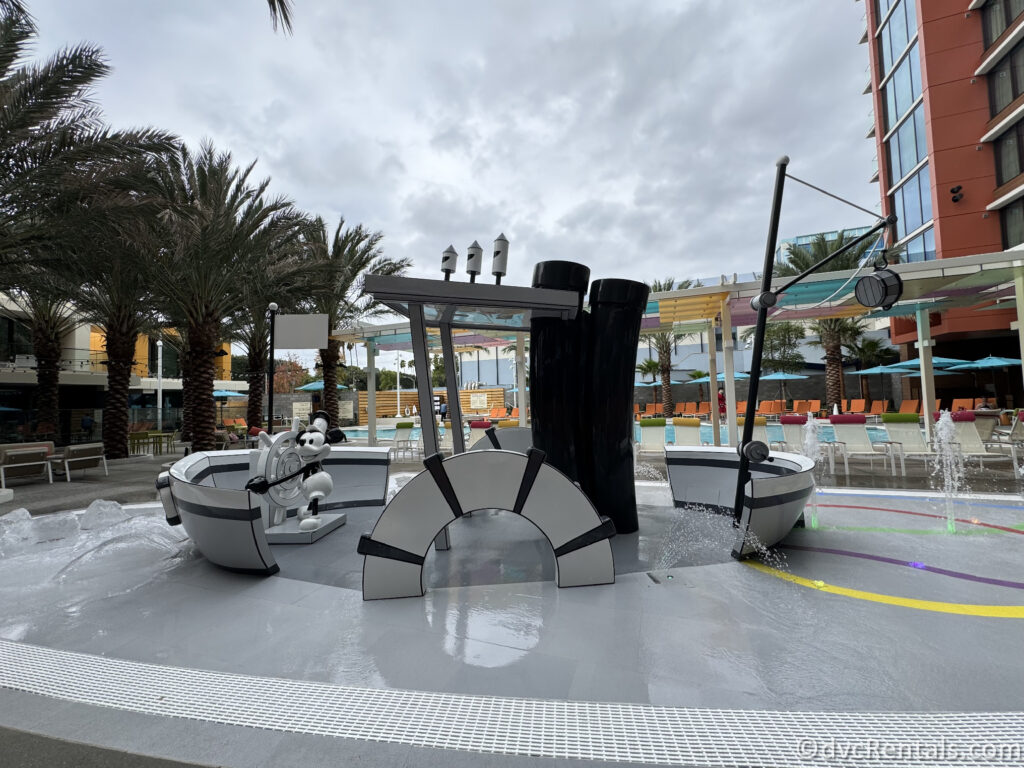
point(329, 359)
point(202, 340)
point(256, 375)
point(120, 354)
point(186, 394)
point(833, 375)
point(47, 352)
point(865, 392)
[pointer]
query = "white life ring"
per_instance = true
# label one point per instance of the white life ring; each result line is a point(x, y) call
point(407, 411)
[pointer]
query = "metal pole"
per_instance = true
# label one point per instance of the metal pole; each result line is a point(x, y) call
point(521, 398)
point(729, 353)
point(716, 433)
point(762, 322)
point(454, 406)
point(160, 385)
point(270, 371)
point(371, 394)
point(924, 354)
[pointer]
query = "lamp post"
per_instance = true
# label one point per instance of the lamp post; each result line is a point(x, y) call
point(160, 385)
point(270, 370)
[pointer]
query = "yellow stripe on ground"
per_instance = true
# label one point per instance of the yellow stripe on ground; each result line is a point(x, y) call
point(964, 609)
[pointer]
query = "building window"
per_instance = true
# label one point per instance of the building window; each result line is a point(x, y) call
point(920, 248)
point(903, 88)
point(1006, 80)
point(899, 29)
point(998, 15)
point(907, 146)
point(1013, 223)
point(912, 203)
point(1008, 157)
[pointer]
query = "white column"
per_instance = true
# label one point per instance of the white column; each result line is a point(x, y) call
point(716, 437)
point(728, 352)
point(1018, 283)
point(398, 385)
point(159, 385)
point(371, 394)
point(521, 397)
point(924, 353)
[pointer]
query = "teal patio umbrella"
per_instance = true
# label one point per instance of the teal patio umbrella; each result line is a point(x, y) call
point(223, 394)
point(937, 362)
point(316, 386)
point(782, 378)
point(990, 363)
point(719, 378)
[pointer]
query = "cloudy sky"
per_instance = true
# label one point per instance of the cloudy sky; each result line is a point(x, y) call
point(639, 137)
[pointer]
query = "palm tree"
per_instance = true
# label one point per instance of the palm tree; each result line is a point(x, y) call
point(664, 341)
point(649, 367)
point(281, 11)
point(696, 374)
point(40, 299)
point(832, 332)
point(53, 145)
point(343, 261)
point(275, 272)
point(211, 222)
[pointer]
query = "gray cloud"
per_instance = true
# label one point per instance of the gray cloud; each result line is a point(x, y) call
point(639, 137)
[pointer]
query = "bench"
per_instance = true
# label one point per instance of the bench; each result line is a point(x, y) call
point(82, 456)
point(24, 463)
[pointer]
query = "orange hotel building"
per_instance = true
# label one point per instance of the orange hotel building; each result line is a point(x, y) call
point(947, 87)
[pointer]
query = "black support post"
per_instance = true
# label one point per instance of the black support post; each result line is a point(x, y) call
point(762, 321)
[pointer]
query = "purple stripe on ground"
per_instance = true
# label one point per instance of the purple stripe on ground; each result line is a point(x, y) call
point(909, 564)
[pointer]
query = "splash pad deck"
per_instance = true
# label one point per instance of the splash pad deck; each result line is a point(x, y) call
point(690, 657)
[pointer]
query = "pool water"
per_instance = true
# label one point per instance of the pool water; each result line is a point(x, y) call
point(826, 433)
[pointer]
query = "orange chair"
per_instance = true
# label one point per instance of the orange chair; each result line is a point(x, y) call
point(878, 407)
point(938, 406)
point(741, 407)
point(910, 406)
point(857, 406)
point(963, 404)
point(814, 406)
point(799, 406)
point(515, 413)
point(650, 410)
point(704, 409)
point(689, 409)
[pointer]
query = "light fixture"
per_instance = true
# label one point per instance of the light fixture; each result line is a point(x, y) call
point(957, 193)
point(882, 288)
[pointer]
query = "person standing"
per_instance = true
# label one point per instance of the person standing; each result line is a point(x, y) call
point(721, 403)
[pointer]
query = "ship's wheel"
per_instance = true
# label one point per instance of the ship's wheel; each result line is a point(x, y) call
point(280, 459)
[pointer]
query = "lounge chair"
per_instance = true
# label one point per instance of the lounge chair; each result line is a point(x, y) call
point(799, 406)
point(515, 413)
point(83, 456)
point(857, 406)
point(652, 436)
point(760, 428)
point(687, 431)
point(814, 406)
point(971, 444)
point(852, 440)
point(445, 441)
point(962, 404)
point(403, 442)
point(704, 409)
point(793, 427)
point(906, 438)
point(910, 406)
point(689, 409)
point(878, 407)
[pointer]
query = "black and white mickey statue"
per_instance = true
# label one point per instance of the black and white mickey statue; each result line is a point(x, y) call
point(290, 465)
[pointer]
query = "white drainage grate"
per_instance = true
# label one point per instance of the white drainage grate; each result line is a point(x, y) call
point(534, 727)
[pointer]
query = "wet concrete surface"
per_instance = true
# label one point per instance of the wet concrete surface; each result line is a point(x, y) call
point(684, 625)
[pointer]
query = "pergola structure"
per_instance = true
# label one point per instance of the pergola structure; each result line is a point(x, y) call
point(982, 281)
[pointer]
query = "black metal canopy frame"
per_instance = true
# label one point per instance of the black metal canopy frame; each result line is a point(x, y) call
point(882, 288)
